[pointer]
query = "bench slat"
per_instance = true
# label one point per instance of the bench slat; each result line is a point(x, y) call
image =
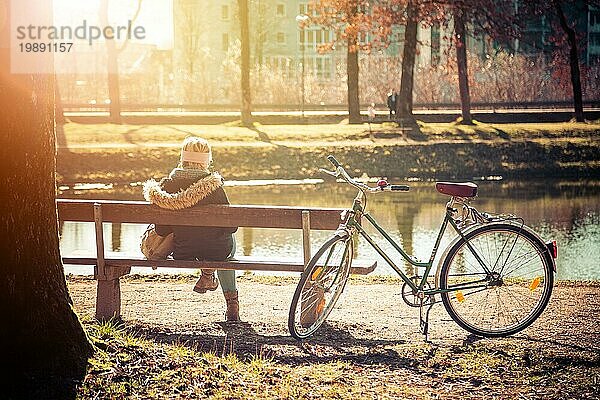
point(209, 215)
point(244, 263)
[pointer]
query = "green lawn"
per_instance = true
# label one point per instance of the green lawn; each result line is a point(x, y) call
point(77, 134)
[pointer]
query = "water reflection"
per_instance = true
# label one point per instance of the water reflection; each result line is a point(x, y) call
point(566, 211)
point(247, 241)
point(116, 236)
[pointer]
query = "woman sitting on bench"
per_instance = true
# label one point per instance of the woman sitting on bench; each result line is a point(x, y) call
point(192, 184)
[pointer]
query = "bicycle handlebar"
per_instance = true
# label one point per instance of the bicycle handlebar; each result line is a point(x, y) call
point(401, 188)
point(333, 161)
point(341, 172)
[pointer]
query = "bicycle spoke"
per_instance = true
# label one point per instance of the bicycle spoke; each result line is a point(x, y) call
point(518, 252)
point(512, 310)
point(534, 256)
point(509, 253)
point(320, 286)
point(514, 294)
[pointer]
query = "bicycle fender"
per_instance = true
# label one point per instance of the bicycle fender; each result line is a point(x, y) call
point(342, 232)
point(471, 228)
point(438, 270)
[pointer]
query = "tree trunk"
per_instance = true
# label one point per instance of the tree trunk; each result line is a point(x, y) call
point(245, 64)
point(573, 62)
point(463, 72)
point(59, 113)
point(114, 91)
point(41, 336)
point(352, 73)
point(112, 66)
point(404, 103)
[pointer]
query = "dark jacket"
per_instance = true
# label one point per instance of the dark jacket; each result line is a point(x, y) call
point(202, 243)
point(391, 101)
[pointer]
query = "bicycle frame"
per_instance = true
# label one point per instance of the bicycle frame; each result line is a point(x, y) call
point(486, 316)
point(353, 221)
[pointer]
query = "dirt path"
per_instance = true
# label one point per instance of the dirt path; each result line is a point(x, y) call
point(364, 313)
point(374, 330)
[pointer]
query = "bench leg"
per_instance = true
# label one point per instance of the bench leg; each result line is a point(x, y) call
point(108, 300)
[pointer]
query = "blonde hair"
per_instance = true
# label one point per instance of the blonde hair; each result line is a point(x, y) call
point(197, 145)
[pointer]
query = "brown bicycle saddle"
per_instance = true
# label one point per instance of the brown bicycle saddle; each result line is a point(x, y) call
point(466, 189)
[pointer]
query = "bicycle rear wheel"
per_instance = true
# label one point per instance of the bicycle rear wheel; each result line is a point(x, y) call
point(511, 294)
point(320, 286)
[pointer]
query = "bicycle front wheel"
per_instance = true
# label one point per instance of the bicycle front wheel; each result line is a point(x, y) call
point(506, 295)
point(320, 286)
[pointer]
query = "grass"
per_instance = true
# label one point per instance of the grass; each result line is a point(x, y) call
point(121, 154)
point(154, 361)
point(512, 131)
point(148, 135)
point(171, 135)
point(129, 365)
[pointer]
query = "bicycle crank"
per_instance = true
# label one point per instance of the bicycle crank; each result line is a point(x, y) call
point(415, 298)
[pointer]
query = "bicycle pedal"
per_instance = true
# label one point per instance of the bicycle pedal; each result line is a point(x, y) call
point(424, 327)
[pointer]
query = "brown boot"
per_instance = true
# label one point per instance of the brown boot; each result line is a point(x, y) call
point(207, 281)
point(233, 306)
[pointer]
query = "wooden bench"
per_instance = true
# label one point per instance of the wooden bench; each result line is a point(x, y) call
point(108, 270)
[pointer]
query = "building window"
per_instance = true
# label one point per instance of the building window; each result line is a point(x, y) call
point(225, 12)
point(225, 42)
point(303, 9)
point(594, 18)
point(594, 39)
point(313, 38)
point(280, 10)
point(323, 67)
point(280, 37)
point(284, 65)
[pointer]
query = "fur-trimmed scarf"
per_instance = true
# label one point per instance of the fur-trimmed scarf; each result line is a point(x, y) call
point(186, 198)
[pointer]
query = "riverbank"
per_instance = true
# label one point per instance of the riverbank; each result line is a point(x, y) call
point(173, 345)
point(109, 153)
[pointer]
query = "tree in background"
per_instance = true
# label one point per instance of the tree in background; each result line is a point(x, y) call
point(191, 46)
point(350, 23)
point(569, 39)
point(487, 19)
point(460, 36)
point(568, 21)
point(410, 13)
point(404, 103)
point(112, 61)
point(245, 63)
point(262, 24)
point(42, 338)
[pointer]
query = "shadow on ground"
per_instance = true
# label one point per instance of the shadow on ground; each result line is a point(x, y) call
point(330, 344)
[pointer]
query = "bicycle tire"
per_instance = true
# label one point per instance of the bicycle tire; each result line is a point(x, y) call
point(320, 286)
point(514, 295)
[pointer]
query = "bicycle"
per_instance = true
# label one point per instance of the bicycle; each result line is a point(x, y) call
point(495, 277)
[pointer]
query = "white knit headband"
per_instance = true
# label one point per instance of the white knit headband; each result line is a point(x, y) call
point(195, 157)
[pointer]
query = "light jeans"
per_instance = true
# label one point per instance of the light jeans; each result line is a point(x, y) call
point(227, 277)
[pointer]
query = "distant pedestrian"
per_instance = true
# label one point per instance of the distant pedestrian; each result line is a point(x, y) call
point(391, 102)
point(371, 113)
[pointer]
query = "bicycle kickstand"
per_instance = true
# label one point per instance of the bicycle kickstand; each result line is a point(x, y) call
point(424, 322)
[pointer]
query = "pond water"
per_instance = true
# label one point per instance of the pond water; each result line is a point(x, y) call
point(568, 212)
